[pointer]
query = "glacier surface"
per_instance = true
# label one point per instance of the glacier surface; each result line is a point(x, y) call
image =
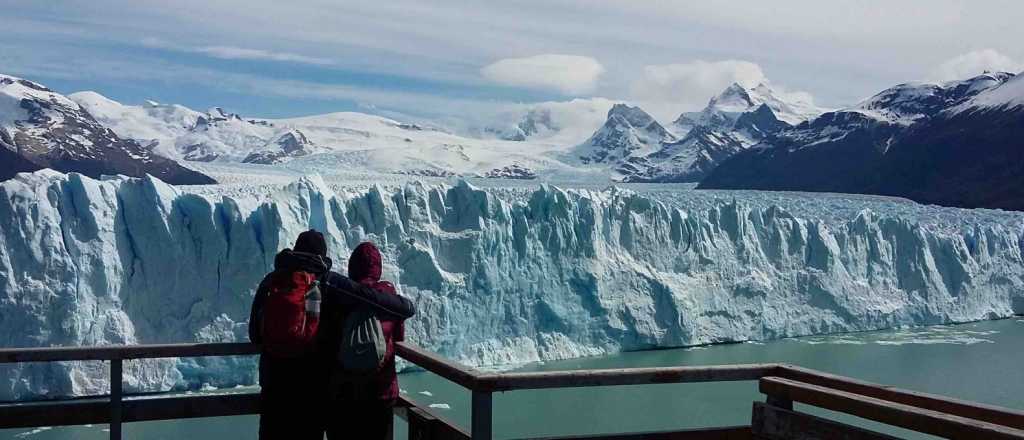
point(499, 276)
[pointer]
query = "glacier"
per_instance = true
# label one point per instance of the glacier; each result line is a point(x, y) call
point(499, 277)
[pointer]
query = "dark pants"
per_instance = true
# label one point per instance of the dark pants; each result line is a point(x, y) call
point(290, 415)
point(368, 419)
point(291, 398)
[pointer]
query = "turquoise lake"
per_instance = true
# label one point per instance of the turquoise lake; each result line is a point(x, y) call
point(981, 361)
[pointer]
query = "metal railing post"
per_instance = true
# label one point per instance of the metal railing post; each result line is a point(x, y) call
point(481, 417)
point(116, 382)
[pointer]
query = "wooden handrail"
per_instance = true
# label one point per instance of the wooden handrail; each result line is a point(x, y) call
point(96, 410)
point(717, 433)
point(467, 377)
point(437, 364)
point(896, 414)
point(623, 376)
point(110, 352)
point(974, 410)
point(783, 383)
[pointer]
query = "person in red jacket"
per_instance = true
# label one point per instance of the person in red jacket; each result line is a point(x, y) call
point(361, 407)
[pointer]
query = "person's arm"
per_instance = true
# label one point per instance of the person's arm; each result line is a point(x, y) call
point(257, 309)
point(349, 293)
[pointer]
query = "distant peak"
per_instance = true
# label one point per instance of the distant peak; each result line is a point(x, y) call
point(733, 95)
point(734, 87)
point(220, 113)
point(636, 116)
point(622, 107)
point(89, 96)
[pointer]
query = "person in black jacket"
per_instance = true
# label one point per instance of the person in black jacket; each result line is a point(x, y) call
point(292, 390)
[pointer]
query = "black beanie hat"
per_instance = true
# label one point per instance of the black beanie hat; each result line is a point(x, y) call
point(311, 242)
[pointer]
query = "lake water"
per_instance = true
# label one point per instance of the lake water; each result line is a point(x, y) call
point(982, 361)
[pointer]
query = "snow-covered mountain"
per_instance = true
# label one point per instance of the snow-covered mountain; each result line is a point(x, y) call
point(1008, 96)
point(955, 143)
point(628, 132)
point(189, 135)
point(498, 277)
point(40, 128)
point(639, 149)
point(343, 141)
point(559, 140)
point(724, 111)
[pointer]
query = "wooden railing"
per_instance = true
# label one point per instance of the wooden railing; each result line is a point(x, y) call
point(774, 419)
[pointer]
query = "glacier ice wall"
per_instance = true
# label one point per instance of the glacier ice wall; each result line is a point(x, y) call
point(557, 274)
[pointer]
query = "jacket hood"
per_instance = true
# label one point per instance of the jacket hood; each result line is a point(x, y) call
point(365, 263)
point(292, 261)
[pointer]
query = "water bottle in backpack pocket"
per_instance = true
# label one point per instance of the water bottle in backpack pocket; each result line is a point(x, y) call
point(363, 346)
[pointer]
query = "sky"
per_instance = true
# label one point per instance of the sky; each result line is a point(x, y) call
point(460, 61)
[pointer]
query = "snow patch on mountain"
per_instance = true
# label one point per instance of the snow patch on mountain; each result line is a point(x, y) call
point(733, 121)
point(908, 103)
point(724, 110)
point(347, 141)
point(547, 274)
point(628, 131)
point(1007, 96)
point(147, 123)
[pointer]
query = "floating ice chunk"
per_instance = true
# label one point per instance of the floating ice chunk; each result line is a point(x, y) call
point(33, 432)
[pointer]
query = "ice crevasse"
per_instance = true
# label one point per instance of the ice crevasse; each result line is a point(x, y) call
point(496, 280)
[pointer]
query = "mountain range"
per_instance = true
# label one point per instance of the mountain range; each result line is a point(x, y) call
point(40, 128)
point(958, 143)
point(954, 143)
point(639, 149)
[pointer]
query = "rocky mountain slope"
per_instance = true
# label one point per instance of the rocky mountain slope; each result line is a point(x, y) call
point(959, 143)
point(628, 132)
point(639, 149)
point(40, 128)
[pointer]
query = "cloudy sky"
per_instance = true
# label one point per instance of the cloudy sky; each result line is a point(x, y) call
point(452, 59)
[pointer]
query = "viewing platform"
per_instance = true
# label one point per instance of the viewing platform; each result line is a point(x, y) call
point(775, 418)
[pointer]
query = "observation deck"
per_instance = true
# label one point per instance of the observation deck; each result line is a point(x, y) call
point(774, 418)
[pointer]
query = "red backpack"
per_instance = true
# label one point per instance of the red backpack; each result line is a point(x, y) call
point(291, 314)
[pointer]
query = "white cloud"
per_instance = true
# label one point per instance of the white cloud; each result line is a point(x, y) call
point(974, 63)
point(567, 74)
point(238, 53)
point(671, 88)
